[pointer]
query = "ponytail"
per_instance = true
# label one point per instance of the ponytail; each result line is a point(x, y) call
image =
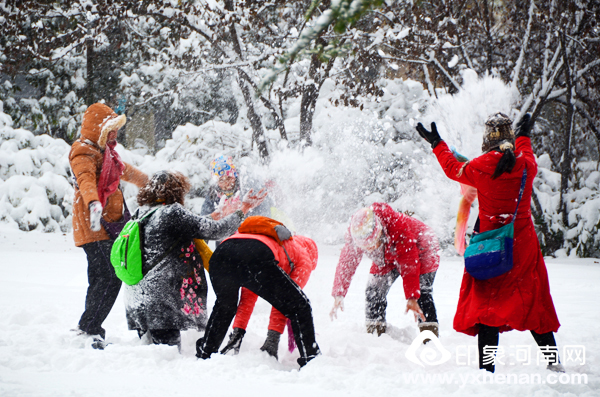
point(507, 161)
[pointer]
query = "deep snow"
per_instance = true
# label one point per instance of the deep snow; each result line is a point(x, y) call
point(42, 290)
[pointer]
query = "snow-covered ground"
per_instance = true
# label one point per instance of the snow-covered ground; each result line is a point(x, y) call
point(42, 290)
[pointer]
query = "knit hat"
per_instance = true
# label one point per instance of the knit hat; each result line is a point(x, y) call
point(498, 130)
point(223, 166)
point(365, 229)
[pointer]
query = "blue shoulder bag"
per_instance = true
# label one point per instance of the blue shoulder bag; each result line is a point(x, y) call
point(490, 254)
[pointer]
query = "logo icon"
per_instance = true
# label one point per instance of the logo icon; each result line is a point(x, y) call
point(435, 355)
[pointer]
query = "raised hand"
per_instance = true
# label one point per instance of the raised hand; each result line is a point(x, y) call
point(430, 136)
point(252, 200)
point(524, 126)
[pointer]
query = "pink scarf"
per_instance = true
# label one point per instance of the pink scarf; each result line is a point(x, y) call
point(110, 176)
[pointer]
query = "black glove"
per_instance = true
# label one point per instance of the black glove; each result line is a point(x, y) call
point(524, 126)
point(271, 344)
point(432, 137)
point(235, 341)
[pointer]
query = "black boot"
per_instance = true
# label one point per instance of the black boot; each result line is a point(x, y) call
point(488, 337)
point(235, 341)
point(271, 345)
point(302, 361)
point(200, 353)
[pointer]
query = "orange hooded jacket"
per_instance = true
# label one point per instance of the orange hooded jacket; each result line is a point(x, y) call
point(86, 158)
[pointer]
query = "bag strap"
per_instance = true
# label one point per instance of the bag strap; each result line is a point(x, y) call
point(289, 260)
point(523, 180)
point(147, 214)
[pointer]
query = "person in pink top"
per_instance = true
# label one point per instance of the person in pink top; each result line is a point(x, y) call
point(398, 245)
point(300, 272)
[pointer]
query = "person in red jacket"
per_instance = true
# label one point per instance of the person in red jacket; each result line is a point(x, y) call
point(398, 245)
point(258, 263)
point(519, 299)
point(307, 255)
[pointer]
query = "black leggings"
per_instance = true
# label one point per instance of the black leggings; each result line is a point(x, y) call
point(249, 263)
point(378, 288)
point(489, 336)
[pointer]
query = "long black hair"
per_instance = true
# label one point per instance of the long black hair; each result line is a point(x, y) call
point(507, 161)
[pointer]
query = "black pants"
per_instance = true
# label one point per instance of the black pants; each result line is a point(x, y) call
point(489, 337)
point(103, 289)
point(378, 288)
point(249, 263)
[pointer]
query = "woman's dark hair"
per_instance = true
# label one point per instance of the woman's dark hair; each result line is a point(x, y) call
point(166, 187)
point(507, 161)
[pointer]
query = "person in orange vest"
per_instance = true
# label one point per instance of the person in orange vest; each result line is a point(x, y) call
point(299, 272)
point(251, 261)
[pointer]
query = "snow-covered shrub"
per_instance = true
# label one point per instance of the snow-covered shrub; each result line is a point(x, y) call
point(35, 191)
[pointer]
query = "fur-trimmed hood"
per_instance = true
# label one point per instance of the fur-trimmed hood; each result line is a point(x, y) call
point(98, 121)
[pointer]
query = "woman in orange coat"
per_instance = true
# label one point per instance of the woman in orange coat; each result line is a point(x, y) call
point(519, 299)
point(306, 253)
point(98, 210)
point(251, 261)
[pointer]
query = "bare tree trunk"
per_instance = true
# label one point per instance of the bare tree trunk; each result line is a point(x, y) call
point(310, 93)
point(486, 16)
point(258, 135)
point(257, 130)
point(550, 241)
point(89, 92)
point(565, 164)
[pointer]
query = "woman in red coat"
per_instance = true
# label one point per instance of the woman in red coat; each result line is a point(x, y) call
point(519, 299)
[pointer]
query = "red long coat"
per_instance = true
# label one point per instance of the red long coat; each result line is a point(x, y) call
point(411, 247)
point(519, 299)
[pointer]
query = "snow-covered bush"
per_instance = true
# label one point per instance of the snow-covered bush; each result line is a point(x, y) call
point(35, 191)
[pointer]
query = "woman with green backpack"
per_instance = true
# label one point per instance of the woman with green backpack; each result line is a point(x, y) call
point(171, 296)
point(520, 297)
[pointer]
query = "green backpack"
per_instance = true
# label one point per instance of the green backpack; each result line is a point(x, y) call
point(126, 252)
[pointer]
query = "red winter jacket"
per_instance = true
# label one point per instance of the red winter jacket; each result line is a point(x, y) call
point(519, 299)
point(304, 254)
point(410, 246)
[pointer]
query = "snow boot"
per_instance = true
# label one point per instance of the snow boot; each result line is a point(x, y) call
point(200, 353)
point(302, 361)
point(558, 367)
point(271, 345)
point(429, 326)
point(376, 328)
point(95, 341)
point(235, 341)
point(170, 337)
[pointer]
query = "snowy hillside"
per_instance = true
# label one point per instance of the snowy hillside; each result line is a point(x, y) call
point(42, 290)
